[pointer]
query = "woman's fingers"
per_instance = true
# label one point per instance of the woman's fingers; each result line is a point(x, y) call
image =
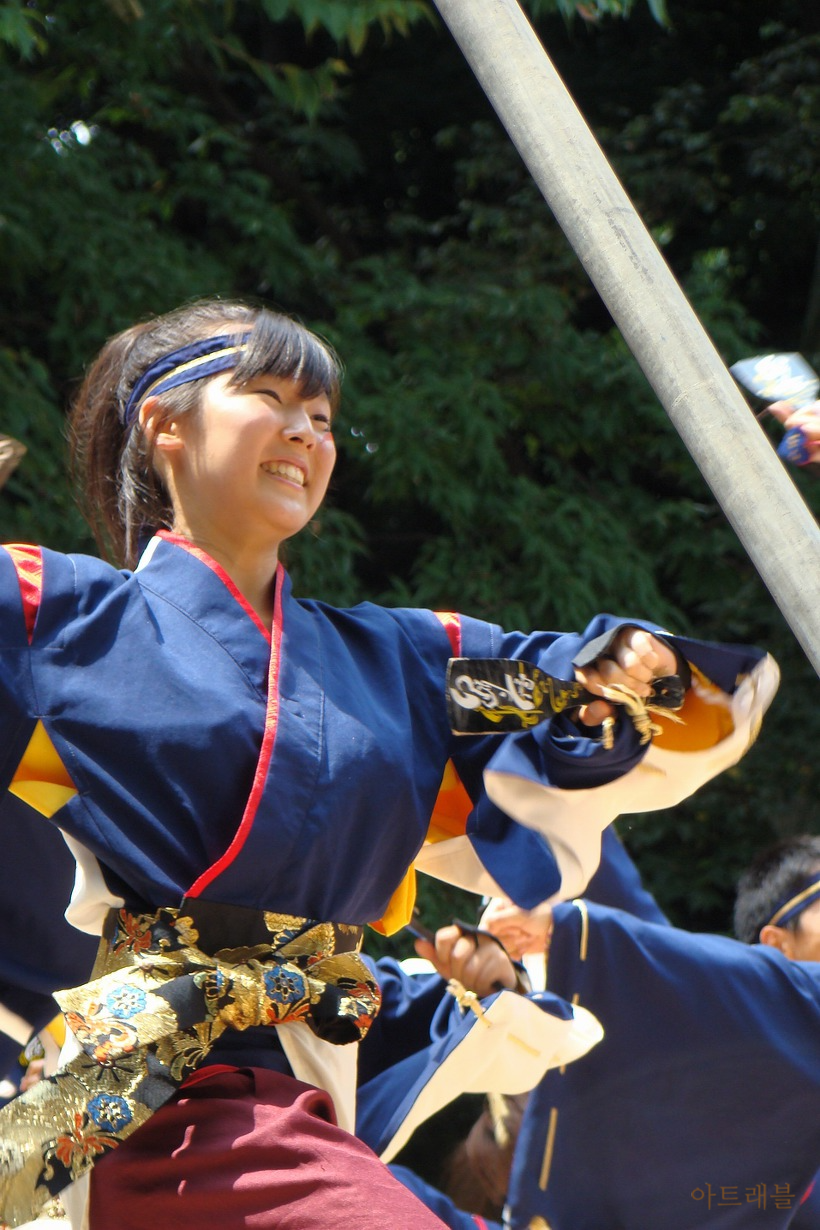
point(635, 660)
point(475, 961)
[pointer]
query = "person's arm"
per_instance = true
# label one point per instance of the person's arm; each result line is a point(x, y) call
point(558, 781)
point(521, 814)
point(709, 1060)
point(502, 1043)
point(618, 883)
point(805, 422)
point(522, 932)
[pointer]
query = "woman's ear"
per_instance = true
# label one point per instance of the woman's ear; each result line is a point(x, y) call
point(778, 937)
point(162, 434)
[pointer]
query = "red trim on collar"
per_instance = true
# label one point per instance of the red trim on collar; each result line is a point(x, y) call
point(265, 753)
point(28, 564)
point(178, 541)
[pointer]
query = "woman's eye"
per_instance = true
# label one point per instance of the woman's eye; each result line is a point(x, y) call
point(323, 421)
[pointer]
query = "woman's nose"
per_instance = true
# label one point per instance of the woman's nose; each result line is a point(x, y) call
point(300, 426)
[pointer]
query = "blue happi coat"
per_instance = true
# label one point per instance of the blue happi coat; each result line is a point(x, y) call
point(183, 749)
point(698, 1110)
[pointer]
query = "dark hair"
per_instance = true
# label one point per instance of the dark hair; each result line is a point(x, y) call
point(121, 494)
point(776, 875)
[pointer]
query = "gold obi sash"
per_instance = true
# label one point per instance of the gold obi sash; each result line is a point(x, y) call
point(164, 987)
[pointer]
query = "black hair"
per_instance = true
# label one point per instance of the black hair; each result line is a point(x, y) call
point(121, 494)
point(773, 878)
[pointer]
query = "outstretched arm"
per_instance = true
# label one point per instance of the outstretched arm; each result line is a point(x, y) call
point(807, 421)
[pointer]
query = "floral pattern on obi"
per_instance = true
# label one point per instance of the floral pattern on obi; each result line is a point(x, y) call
point(165, 987)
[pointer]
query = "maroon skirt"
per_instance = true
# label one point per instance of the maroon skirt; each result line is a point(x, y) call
point(249, 1148)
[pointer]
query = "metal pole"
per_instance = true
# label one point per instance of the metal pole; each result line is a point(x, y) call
point(655, 318)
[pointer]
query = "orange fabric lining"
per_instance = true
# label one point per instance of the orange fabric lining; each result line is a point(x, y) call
point(453, 806)
point(41, 779)
point(707, 716)
point(449, 819)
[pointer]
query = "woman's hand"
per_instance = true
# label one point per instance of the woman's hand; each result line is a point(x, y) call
point(807, 418)
point(635, 659)
point(476, 961)
point(520, 931)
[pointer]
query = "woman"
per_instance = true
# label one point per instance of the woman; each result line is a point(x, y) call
point(245, 780)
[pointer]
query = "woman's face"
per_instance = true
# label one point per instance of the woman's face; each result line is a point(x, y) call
point(251, 466)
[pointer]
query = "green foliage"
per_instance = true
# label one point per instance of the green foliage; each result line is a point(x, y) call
point(350, 23)
point(21, 28)
point(37, 503)
point(503, 411)
point(726, 157)
point(500, 451)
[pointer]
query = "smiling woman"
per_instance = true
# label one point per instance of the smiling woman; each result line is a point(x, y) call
point(247, 778)
point(245, 472)
point(153, 374)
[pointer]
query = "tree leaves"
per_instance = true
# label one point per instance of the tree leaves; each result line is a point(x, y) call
point(350, 23)
point(21, 28)
point(500, 451)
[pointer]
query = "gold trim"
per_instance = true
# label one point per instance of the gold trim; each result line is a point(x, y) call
point(531, 1050)
point(549, 1149)
point(583, 946)
point(575, 1001)
point(796, 899)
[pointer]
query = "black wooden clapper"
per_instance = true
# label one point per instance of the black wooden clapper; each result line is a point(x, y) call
point(499, 695)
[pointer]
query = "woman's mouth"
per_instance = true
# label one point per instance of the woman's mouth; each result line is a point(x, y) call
point(285, 469)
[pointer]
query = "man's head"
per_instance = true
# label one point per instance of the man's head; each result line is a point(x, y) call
point(778, 899)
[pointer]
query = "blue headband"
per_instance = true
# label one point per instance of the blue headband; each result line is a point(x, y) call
point(206, 357)
point(795, 905)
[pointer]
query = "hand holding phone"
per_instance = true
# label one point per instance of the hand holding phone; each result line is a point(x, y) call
point(787, 387)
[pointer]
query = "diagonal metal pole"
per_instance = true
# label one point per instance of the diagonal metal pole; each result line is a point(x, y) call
point(664, 334)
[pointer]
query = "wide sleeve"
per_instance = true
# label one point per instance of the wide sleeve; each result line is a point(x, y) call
point(709, 1063)
point(39, 951)
point(504, 1045)
point(402, 1026)
point(559, 782)
point(617, 883)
